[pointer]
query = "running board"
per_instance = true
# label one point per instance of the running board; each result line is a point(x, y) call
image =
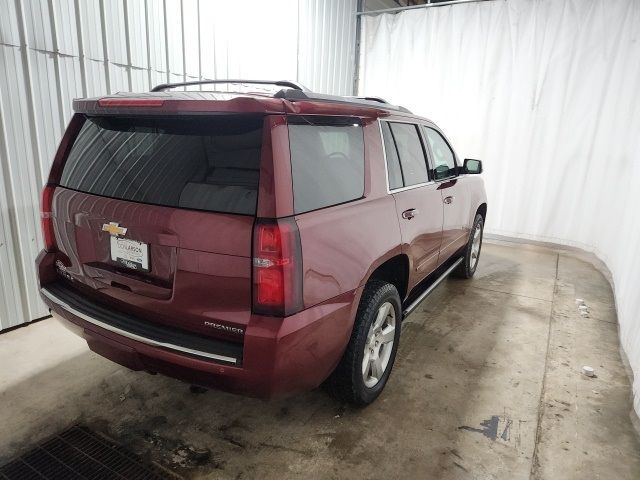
point(412, 306)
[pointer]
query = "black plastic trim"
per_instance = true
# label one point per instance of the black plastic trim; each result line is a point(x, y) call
point(170, 338)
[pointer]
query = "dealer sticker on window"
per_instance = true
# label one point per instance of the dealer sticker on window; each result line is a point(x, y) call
point(131, 254)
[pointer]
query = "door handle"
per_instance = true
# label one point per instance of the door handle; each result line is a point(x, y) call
point(409, 214)
point(448, 200)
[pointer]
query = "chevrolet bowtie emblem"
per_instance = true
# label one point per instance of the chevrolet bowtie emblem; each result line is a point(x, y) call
point(114, 229)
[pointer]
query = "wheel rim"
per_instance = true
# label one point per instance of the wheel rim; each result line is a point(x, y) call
point(475, 245)
point(379, 345)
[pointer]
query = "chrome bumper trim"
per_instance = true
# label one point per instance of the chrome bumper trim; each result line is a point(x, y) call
point(133, 336)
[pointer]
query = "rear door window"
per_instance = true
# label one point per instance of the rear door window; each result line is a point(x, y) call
point(188, 162)
point(327, 161)
point(411, 153)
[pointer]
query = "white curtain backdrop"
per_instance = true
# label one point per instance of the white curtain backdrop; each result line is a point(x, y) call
point(547, 93)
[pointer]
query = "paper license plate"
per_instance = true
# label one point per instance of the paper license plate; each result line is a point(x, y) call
point(129, 253)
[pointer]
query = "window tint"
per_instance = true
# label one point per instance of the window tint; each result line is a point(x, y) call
point(327, 162)
point(412, 159)
point(204, 164)
point(443, 158)
point(394, 172)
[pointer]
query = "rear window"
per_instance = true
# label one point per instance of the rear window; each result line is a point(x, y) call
point(327, 161)
point(189, 162)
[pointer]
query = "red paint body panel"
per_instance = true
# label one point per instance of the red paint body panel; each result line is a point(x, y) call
point(422, 235)
point(275, 195)
point(201, 262)
point(340, 258)
point(455, 224)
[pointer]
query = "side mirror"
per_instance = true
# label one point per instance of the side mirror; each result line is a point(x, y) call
point(472, 166)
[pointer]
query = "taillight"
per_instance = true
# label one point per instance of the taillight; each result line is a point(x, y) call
point(46, 218)
point(277, 267)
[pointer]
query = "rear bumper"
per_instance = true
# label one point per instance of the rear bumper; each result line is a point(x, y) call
point(72, 302)
point(279, 356)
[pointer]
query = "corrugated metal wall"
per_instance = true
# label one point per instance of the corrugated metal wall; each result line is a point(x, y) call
point(52, 51)
point(327, 32)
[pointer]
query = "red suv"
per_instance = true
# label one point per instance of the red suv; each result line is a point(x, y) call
point(260, 243)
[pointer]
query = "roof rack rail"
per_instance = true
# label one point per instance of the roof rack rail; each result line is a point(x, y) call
point(279, 83)
point(294, 95)
point(372, 99)
point(293, 91)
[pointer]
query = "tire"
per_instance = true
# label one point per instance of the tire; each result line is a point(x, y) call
point(467, 268)
point(347, 382)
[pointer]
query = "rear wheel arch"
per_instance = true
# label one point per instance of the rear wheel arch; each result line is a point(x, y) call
point(482, 210)
point(394, 270)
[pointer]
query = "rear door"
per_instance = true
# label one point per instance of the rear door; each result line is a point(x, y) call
point(418, 201)
point(453, 191)
point(155, 216)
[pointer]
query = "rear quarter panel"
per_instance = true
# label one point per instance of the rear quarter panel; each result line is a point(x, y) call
point(343, 244)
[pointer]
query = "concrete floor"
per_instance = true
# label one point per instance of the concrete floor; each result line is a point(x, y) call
point(487, 385)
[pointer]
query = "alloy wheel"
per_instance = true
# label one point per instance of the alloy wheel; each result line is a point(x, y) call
point(475, 245)
point(379, 345)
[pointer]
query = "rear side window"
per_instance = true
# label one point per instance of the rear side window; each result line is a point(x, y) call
point(190, 162)
point(327, 161)
point(411, 153)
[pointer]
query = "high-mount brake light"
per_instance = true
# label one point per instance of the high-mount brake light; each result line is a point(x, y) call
point(48, 233)
point(130, 102)
point(277, 267)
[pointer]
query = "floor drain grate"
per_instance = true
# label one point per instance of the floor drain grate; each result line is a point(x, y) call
point(79, 453)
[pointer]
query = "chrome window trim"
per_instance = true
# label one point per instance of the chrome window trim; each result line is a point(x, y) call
point(386, 166)
point(410, 187)
point(62, 304)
